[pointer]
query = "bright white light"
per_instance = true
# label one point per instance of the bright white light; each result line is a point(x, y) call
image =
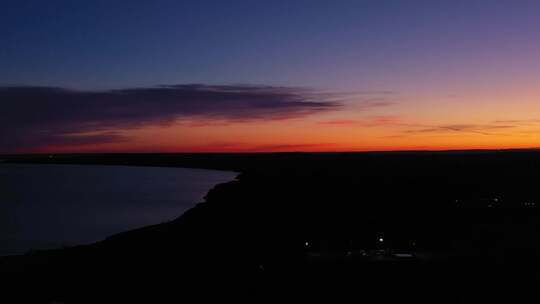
point(307, 243)
point(381, 240)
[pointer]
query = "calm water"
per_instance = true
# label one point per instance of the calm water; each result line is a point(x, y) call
point(48, 206)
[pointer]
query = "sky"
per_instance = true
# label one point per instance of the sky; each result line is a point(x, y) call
point(253, 76)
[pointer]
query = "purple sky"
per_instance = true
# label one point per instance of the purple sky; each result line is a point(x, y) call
point(75, 73)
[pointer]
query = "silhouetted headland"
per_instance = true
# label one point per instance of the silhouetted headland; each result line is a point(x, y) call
point(434, 227)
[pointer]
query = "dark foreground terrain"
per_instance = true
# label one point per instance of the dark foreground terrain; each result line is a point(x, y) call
point(376, 227)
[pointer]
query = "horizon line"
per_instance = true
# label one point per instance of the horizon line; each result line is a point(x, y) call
point(532, 149)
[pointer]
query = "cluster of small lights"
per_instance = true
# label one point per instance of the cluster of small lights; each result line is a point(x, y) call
point(530, 204)
point(494, 203)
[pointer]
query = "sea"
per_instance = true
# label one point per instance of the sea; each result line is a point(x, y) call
point(45, 206)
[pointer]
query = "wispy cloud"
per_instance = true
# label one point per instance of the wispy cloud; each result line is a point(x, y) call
point(291, 147)
point(487, 129)
point(363, 103)
point(518, 121)
point(250, 147)
point(406, 127)
point(371, 121)
point(34, 116)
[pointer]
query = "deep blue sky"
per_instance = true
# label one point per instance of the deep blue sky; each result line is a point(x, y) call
point(343, 44)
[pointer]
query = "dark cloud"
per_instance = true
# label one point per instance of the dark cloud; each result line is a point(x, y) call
point(83, 139)
point(35, 116)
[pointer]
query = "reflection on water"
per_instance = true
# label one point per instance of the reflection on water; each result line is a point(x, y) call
point(47, 206)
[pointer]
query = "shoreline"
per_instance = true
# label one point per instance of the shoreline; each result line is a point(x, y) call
point(19, 244)
point(7, 162)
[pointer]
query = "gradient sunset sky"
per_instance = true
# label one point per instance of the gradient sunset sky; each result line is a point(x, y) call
point(227, 76)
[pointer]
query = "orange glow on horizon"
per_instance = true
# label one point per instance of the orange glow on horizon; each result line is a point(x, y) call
point(502, 119)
